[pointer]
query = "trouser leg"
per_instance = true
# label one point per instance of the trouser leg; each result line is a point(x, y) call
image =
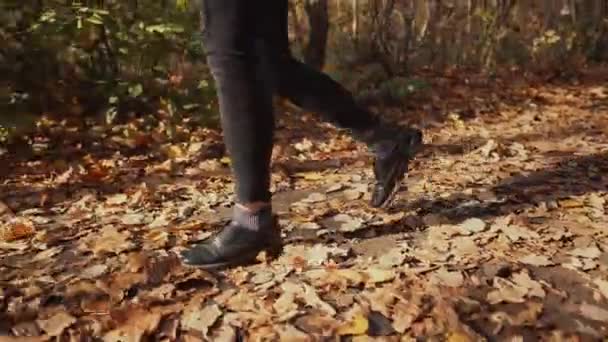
point(233, 46)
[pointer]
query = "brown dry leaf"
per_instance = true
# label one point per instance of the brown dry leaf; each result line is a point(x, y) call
point(311, 298)
point(117, 199)
point(393, 258)
point(56, 324)
point(64, 177)
point(285, 304)
point(473, 225)
point(348, 223)
point(175, 151)
point(16, 246)
point(352, 194)
point(459, 337)
point(507, 292)
point(17, 229)
point(139, 323)
point(315, 197)
point(357, 326)
point(201, 320)
point(602, 286)
point(375, 275)
point(381, 299)
point(94, 271)
point(120, 282)
point(156, 239)
point(135, 261)
point(112, 241)
point(591, 252)
point(536, 260)
point(225, 333)
point(515, 233)
point(448, 278)
point(320, 253)
point(594, 312)
point(47, 254)
point(569, 203)
point(404, 316)
point(290, 333)
point(23, 339)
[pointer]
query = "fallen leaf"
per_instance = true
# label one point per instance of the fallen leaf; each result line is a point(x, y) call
point(17, 246)
point(569, 203)
point(473, 225)
point(285, 304)
point(516, 233)
point(602, 286)
point(535, 289)
point(309, 225)
point(225, 333)
point(47, 254)
point(118, 283)
point(507, 292)
point(594, 312)
point(591, 252)
point(133, 219)
point(315, 198)
point(94, 271)
point(117, 199)
point(56, 324)
point(312, 298)
point(458, 337)
point(64, 177)
point(17, 229)
point(156, 238)
point(357, 326)
point(334, 188)
point(112, 241)
point(320, 253)
point(290, 333)
point(348, 223)
point(175, 152)
point(376, 275)
point(201, 320)
point(393, 258)
point(536, 260)
point(352, 195)
point(139, 323)
point(447, 278)
point(404, 315)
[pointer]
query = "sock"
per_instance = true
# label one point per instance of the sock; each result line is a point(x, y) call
point(256, 221)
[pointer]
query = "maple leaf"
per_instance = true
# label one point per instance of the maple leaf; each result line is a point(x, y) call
point(111, 240)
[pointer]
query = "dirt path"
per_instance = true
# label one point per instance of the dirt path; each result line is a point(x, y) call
point(501, 235)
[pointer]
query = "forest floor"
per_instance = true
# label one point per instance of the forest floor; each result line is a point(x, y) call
point(501, 233)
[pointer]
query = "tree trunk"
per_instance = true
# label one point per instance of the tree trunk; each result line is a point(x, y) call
point(318, 19)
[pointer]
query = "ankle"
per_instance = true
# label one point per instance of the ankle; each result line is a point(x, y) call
point(253, 207)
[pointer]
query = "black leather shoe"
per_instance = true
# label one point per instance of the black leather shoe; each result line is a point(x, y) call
point(393, 151)
point(234, 245)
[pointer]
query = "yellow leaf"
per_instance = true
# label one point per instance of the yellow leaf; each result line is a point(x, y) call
point(311, 176)
point(379, 276)
point(175, 151)
point(458, 337)
point(358, 326)
point(225, 160)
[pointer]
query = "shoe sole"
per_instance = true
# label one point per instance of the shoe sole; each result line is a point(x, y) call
point(247, 259)
point(398, 174)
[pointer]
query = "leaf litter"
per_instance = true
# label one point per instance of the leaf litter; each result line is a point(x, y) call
point(107, 249)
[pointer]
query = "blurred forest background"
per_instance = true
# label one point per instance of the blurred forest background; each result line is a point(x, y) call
point(107, 59)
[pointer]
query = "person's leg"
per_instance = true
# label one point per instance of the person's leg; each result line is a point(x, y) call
point(245, 98)
point(233, 50)
point(315, 91)
point(307, 87)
